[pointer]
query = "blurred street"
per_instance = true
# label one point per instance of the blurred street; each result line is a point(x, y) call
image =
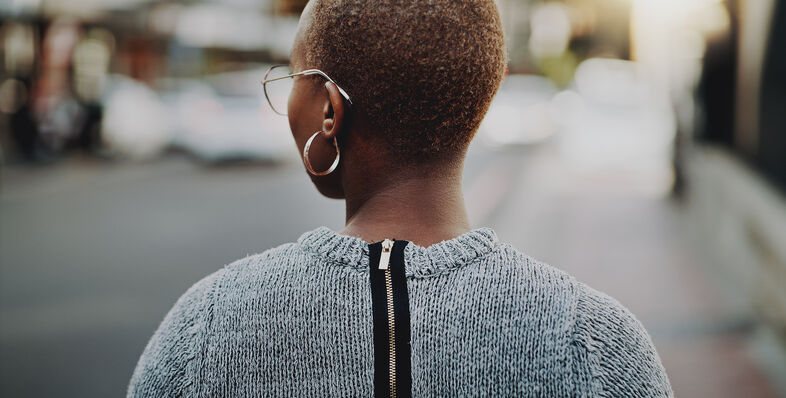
point(93, 254)
point(635, 144)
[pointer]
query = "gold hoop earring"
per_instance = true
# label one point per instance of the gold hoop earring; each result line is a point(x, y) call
point(308, 163)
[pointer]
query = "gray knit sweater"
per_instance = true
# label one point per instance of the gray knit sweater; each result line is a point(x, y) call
point(486, 320)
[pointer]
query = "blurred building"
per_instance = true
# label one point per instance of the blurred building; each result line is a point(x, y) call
point(66, 63)
point(737, 168)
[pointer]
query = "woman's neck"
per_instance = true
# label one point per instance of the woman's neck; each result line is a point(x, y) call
point(424, 210)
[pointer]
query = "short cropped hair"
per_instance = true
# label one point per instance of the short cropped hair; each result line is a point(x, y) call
point(421, 72)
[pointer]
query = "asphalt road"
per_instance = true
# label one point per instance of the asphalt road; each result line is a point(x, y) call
point(93, 254)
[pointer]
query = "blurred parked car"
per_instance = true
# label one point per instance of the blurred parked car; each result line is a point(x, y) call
point(217, 118)
point(614, 120)
point(136, 123)
point(225, 118)
point(520, 112)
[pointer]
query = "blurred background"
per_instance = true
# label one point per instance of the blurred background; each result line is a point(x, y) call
point(637, 144)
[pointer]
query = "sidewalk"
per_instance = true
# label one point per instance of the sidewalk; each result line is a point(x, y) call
point(634, 246)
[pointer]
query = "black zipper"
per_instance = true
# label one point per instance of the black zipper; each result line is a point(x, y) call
point(390, 309)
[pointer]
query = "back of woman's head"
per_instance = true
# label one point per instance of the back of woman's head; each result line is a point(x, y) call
point(421, 73)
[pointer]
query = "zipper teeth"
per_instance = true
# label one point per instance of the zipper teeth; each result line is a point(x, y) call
point(392, 333)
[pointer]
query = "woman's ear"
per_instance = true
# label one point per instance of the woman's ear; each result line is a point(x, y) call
point(333, 112)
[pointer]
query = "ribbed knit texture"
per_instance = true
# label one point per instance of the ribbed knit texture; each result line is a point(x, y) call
point(486, 320)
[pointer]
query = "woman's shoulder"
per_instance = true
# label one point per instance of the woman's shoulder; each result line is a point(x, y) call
point(268, 257)
point(223, 277)
point(607, 340)
point(589, 304)
point(528, 268)
point(616, 348)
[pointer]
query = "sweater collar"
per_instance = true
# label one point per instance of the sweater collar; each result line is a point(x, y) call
point(420, 261)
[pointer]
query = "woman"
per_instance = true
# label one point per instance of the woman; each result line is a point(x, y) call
point(385, 98)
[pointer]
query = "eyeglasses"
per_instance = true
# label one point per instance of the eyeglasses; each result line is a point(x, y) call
point(278, 83)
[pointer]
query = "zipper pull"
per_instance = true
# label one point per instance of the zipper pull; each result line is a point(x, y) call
point(384, 258)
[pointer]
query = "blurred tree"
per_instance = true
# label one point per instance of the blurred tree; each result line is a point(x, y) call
point(290, 7)
point(716, 90)
point(559, 69)
point(772, 134)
